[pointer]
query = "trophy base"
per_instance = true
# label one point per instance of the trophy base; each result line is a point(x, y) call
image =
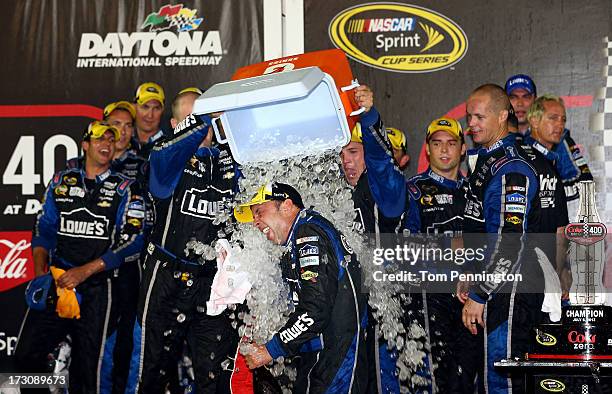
point(596, 315)
point(584, 334)
point(561, 376)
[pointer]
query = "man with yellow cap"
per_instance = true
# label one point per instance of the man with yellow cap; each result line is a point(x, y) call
point(327, 327)
point(149, 102)
point(91, 223)
point(372, 163)
point(445, 147)
point(436, 208)
point(121, 115)
point(182, 105)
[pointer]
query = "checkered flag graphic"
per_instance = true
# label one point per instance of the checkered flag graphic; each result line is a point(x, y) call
point(600, 146)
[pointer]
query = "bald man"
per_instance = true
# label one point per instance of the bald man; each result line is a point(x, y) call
point(502, 199)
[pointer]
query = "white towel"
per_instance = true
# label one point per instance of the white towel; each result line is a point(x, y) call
point(230, 285)
point(552, 287)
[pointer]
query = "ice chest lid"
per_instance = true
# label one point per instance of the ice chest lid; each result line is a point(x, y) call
point(259, 90)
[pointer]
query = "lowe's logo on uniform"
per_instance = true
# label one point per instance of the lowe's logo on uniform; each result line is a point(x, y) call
point(82, 223)
point(198, 203)
point(301, 325)
point(516, 198)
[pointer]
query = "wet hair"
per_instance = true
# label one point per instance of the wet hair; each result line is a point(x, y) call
point(537, 108)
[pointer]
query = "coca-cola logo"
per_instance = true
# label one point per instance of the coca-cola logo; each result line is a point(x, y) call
point(585, 233)
point(576, 337)
point(16, 264)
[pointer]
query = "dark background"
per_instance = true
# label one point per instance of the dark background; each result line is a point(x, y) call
point(40, 43)
point(559, 43)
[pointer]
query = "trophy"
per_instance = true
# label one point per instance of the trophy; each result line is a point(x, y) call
point(584, 332)
point(587, 252)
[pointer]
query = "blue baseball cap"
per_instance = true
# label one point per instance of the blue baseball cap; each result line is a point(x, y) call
point(521, 81)
point(38, 291)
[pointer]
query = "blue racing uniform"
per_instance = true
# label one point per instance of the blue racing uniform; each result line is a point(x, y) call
point(380, 193)
point(82, 220)
point(144, 150)
point(193, 188)
point(570, 164)
point(503, 201)
point(436, 207)
point(380, 201)
point(327, 327)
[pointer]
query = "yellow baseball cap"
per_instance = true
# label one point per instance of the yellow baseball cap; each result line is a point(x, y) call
point(356, 133)
point(97, 128)
point(191, 89)
point(149, 91)
point(450, 125)
point(269, 192)
point(396, 137)
point(120, 105)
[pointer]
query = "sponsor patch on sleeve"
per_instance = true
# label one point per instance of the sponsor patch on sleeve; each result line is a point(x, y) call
point(135, 222)
point(309, 275)
point(135, 213)
point(314, 238)
point(515, 208)
point(309, 261)
point(513, 219)
point(136, 205)
point(308, 250)
point(516, 198)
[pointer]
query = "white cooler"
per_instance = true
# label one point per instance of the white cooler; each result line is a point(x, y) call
point(276, 116)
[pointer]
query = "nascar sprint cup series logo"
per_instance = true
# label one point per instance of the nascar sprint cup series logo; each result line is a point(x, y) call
point(170, 38)
point(398, 37)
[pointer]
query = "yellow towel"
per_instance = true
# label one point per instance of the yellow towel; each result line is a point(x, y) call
point(67, 303)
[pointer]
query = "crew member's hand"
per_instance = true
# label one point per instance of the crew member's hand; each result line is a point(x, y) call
point(207, 141)
point(77, 275)
point(364, 97)
point(258, 356)
point(566, 283)
point(472, 314)
point(463, 291)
